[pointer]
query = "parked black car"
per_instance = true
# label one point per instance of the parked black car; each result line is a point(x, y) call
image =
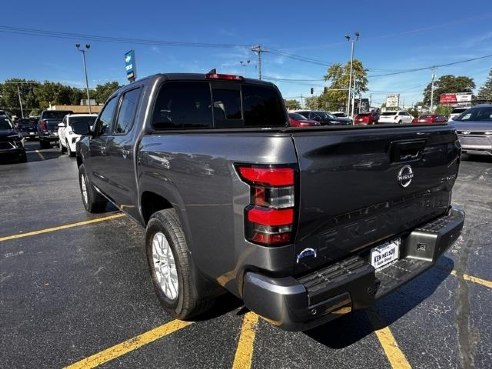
point(11, 141)
point(323, 117)
point(48, 126)
point(28, 127)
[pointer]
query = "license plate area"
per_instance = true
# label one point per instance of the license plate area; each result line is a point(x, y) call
point(385, 254)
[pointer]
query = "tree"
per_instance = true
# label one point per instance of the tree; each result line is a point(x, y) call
point(485, 91)
point(292, 104)
point(313, 102)
point(51, 93)
point(335, 96)
point(103, 92)
point(448, 84)
point(16, 88)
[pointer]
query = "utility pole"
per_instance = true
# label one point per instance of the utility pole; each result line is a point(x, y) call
point(257, 49)
point(20, 101)
point(432, 90)
point(83, 51)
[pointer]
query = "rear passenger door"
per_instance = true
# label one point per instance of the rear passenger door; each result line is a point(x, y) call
point(120, 151)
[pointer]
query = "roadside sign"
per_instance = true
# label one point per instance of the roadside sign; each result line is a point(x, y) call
point(393, 101)
point(130, 66)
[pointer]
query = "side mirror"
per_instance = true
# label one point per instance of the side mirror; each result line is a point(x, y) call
point(61, 125)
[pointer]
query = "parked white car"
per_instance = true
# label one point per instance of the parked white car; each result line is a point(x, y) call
point(71, 129)
point(456, 112)
point(395, 117)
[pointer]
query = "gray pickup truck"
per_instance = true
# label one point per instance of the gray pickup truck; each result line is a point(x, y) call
point(303, 224)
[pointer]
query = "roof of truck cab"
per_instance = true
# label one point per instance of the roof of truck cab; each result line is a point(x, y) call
point(195, 77)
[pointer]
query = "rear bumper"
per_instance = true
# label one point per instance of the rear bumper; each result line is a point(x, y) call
point(48, 137)
point(325, 294)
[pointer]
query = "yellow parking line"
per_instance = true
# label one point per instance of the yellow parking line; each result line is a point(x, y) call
point(395, 356)
point(59, 228)
point(40, 155)
point(129, 345)
point(473, 279)
point(244, 351)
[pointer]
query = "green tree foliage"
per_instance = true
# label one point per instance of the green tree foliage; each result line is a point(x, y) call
point(313, 103)
point(443, 110)
point(38, 96)
point(292, 104)
point(335, 96)
point(448, 84)
point(11, 90)
point(103, 92)
point(485, 91)
point(51, 93)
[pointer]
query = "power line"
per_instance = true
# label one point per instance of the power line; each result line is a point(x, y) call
point(431, 66)
point(78, 36)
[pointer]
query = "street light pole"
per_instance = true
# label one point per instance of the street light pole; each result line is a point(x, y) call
point(349, 97)
point(83, 51)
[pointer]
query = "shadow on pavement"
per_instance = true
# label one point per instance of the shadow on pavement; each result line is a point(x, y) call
point(351, 328)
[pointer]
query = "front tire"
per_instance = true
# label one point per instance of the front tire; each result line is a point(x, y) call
point(93, 201)
point(176, 281)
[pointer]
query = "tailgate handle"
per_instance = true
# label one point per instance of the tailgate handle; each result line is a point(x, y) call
point(406, 150)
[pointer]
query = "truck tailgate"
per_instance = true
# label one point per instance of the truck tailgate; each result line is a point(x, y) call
point(361, 186)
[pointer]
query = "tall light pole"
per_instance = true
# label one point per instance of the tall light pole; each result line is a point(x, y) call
point(83, 51)
point(349, 97)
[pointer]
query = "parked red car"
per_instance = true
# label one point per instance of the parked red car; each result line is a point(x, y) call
point(298, 120)
point(430, 118)
point(366, 118)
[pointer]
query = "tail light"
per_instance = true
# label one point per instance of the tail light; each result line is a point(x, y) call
point(269, 217)
point(43, 125)
point(229, 77)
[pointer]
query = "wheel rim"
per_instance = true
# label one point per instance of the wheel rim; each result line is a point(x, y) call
point(165, 266)
point(83, 187)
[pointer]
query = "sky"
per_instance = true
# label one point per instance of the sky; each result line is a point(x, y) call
point(301, 40)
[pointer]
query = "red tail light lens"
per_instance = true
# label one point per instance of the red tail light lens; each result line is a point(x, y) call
point(43, 125)
point(229, 77)
point(268, 176)
point(270, 216)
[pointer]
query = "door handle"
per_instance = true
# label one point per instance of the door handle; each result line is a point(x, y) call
point(125, 153)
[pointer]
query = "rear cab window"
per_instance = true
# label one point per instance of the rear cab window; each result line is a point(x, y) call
point(217, 104)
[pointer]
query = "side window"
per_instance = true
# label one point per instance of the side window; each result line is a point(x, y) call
point(126, 115)
point(183, 105)
point(105, 120)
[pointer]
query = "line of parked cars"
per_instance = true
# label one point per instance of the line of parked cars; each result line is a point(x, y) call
point(11, 140)
point(53, 127)
point(322, 118)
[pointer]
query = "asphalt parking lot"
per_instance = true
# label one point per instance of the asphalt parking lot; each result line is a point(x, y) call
point(75, 292)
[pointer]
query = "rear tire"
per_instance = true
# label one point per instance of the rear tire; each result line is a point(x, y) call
point(69, 151)
point(60, 147)
point(93, 201)
point(44, 144)
point(23, 158)
point(177, 283)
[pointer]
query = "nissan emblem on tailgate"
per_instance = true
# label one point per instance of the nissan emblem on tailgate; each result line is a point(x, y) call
point(405, 176)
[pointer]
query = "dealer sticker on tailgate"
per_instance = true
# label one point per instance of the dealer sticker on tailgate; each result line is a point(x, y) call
point(385, 254)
